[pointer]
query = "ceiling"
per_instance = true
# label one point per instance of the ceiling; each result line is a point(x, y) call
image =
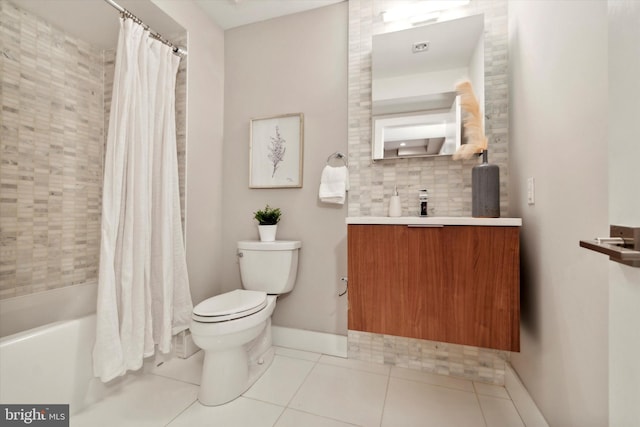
point(97, 22)
point(234, 13)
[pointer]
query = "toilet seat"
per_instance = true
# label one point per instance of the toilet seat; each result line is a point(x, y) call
point(229, 306)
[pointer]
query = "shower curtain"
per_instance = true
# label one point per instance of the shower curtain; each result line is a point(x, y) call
point(143, 288)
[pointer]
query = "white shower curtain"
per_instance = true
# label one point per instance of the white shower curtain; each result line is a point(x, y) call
point(143, 288)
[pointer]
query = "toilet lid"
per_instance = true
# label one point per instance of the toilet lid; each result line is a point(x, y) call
point(231, 305)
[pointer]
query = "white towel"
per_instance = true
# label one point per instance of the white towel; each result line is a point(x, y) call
point(334, 184)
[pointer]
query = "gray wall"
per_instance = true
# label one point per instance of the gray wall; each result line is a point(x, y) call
point(624, 209)
point(205, 94)
point(293, 64)
point(558, 87)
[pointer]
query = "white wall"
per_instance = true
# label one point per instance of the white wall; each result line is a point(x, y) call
point(624, 209)
point(292, 64)
point(205, 94)
point(558, 135)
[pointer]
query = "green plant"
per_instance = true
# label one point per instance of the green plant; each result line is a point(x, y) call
point(268, 216)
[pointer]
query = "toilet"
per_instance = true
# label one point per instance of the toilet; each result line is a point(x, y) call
point(234, 329)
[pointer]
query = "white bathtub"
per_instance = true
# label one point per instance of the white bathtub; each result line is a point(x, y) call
point(44, 308)
point(52, 364)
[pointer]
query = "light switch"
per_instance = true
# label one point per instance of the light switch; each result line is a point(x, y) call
point(531, 191)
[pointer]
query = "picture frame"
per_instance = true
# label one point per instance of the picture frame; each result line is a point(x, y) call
point(276, 151)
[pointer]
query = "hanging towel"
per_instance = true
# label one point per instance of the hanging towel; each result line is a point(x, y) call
point(334, 183)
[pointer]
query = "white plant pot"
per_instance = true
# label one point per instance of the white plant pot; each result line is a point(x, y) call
point(267, 232)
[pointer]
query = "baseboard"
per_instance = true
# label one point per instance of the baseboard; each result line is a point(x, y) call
point(318, 342)
point(523, 402)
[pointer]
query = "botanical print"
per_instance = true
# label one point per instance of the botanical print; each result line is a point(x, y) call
point(276, 152)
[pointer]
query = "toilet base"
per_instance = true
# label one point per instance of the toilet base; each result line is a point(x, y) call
point(229, 373)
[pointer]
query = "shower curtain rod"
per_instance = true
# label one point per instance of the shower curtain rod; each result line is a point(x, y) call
point(176, 49)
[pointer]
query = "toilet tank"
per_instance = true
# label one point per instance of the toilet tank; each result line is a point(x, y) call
point(271, 267)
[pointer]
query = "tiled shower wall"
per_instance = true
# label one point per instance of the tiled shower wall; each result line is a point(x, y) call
point(448, 181)
point(52, 147)
point(52, 124)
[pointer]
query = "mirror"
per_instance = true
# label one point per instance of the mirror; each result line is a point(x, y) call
point(416, 112)
point(416, 134)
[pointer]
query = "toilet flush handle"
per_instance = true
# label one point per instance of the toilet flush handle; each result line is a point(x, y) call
point(240, 254)
point(346, 285)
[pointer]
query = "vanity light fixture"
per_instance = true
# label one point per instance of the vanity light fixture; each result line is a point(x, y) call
point(422, 11)
point(424, 18)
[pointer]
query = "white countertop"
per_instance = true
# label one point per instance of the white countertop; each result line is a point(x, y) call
point(435, 220)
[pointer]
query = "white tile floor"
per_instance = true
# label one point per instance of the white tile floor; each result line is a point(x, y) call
point(302, 389)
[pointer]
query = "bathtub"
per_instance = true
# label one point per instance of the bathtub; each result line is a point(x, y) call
point(30, 311)
point(52, 364)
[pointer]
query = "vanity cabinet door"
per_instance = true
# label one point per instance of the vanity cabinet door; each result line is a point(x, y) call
point(378, 282)
point(457, 284)
point(470, 294)
point(429, 277)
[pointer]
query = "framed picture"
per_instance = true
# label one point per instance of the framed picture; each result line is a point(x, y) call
point(275, 153)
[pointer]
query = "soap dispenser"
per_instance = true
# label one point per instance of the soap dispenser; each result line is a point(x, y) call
point(395, 207)
point(423, 198)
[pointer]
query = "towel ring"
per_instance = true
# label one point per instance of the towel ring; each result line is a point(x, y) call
point(338, 155)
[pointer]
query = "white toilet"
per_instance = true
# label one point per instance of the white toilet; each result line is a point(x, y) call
point(234, 329)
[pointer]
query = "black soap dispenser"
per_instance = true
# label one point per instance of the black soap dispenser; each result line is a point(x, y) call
point(423, 198)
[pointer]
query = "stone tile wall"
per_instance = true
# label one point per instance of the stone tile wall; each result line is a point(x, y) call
point(448, 181)
point(463, 361)
point(52, 148)
point(55, 93)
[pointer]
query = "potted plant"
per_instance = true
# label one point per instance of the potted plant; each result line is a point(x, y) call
point(268, 219)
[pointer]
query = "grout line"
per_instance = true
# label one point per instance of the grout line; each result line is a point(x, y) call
point(355, 362)
point(315, 363)
point(182, 412)
point(255, 399)
point(172, 378)
point(386, 394)
point(324, 416)
point(525, 406)
point(295, 351)
point(480, 393)
point(437, 385)
point(279, 416)
point(302, 383)
point(516, 408)
point(484, 418)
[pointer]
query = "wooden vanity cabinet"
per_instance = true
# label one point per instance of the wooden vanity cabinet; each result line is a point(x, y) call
point(457, 284)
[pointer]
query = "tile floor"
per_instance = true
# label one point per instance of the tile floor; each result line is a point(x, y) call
point(302, 389)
